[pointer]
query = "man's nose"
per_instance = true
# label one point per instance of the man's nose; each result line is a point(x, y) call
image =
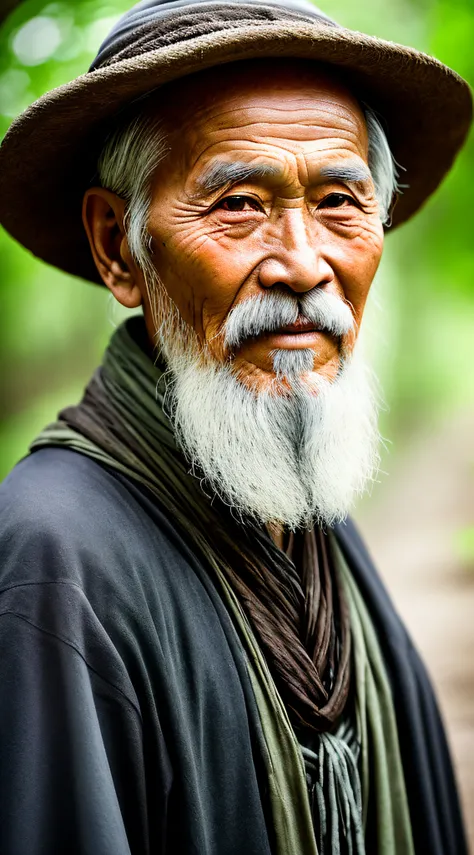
point(295, 259)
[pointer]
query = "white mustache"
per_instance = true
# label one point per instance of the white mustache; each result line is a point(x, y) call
point(275, 309)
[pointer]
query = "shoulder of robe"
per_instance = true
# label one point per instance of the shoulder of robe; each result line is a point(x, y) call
point(83, 558)
point(65, 517)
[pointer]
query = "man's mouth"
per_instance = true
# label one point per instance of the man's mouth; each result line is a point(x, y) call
point(302, 333)
point(301, 325)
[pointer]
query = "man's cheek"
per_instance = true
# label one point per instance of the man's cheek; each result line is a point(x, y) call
point(184, 245)
point(368, 245)
point(359, 271)
point(178, 256)
point(210, 269)
point(203, 285)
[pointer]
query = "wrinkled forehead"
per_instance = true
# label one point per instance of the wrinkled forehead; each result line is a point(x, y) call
point(255, 80)
point(266, 100)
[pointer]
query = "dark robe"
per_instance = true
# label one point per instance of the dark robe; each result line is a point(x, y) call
point(128, 724)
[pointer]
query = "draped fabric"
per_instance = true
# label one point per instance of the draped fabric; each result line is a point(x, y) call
point(335, 792)
point(298, 613)
point(435, 812)
point(121, 424)
point(382, 771)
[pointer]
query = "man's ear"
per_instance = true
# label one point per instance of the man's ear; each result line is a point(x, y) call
point(103, 215)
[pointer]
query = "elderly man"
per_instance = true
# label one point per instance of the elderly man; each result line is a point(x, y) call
point(197, 654)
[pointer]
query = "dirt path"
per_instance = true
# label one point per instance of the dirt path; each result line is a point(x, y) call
point(410, 524)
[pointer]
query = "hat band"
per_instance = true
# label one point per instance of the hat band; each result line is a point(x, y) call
point(179, 21)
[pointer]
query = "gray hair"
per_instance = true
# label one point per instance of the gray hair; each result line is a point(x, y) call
point(134, 150)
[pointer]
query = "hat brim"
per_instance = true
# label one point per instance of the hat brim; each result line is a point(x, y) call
point(48, 157)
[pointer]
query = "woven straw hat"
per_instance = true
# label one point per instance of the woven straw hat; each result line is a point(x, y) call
point(49, 155)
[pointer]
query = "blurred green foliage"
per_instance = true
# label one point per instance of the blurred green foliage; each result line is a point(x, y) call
point(422, 315)
point(464, 546)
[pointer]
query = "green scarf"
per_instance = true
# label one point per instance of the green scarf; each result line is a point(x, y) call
point(131, 434)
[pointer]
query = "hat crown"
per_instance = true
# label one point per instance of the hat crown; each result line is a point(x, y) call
point(147, 12)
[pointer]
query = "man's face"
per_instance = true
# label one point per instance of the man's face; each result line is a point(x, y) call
point(266, 186)
point(266, 235)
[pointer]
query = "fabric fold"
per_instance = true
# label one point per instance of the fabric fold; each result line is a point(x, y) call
point(130, 434)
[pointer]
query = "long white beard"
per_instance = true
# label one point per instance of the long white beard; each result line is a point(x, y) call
point(292, 459)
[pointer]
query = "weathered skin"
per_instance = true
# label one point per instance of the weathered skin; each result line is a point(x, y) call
point(295, 228)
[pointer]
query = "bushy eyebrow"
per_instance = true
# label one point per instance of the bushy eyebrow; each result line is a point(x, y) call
point(346, 172)
point(222, 173)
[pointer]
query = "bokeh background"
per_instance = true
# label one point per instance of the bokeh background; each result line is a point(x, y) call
point(420, 334)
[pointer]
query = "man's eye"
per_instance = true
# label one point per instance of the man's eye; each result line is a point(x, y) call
point(238, 204)
point(337, 200)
